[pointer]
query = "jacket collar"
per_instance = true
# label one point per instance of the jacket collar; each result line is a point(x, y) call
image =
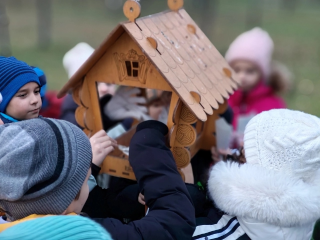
point(258, 92)
point(6, 118)
point(5, 226)
point(250, 191)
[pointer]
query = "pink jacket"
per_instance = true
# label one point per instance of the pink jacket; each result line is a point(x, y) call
point(261, 98)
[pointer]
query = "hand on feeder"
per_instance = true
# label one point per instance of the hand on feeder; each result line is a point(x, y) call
point(141, 199)
point(124, 104)
point(101, 145)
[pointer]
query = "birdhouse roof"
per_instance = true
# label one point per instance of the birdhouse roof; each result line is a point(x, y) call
point(182, 53)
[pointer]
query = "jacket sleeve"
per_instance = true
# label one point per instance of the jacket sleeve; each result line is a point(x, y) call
point(171, 213)
point(68, 110)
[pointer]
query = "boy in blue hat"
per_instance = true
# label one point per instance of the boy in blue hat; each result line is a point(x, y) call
point(20, 88)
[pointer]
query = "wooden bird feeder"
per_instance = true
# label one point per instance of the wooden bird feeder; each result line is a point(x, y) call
point(166, 51)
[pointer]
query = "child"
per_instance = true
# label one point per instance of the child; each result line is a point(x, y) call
point(20, 91)
point(48, 170)
point(20, 88)
point(250, 55)
point(275, 193)
point(72, 61)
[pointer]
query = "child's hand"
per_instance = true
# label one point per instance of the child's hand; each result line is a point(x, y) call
point(219, 154)
point(101, 145)
point(1, 123)
point(141, 199)
point(125, 104)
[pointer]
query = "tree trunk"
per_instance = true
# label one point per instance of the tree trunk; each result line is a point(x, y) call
point(208, 12)
point(44, 13)
point(289, 5)
point(254, 14)
point(5, 48)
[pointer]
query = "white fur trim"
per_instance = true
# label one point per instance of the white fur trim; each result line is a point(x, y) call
point(267, 196)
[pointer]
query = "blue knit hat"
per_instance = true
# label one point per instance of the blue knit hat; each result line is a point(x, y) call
point(42, 79)
point(56, 228)
point(14, 74)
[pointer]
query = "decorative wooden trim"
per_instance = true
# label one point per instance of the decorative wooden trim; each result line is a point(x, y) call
point(173, 104)
point(132, 66)
point(182, 135)
point(131, 10)
point(175, 5)
point(118, 167)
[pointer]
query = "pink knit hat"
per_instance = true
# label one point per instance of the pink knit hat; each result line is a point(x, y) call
point(255, 46)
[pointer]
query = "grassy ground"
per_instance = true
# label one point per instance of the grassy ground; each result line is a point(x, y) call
point(296, 35)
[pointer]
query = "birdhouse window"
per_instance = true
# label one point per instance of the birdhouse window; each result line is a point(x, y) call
point(132, 68)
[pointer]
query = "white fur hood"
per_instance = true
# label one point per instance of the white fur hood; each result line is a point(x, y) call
point(250, 191)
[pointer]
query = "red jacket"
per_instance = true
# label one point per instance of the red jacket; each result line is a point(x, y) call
point(261, 98)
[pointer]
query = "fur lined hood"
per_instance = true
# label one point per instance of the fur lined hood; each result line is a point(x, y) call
point(251, 191)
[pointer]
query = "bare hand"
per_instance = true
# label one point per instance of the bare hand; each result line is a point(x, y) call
point(101, 145)
point(141, 199)
point(1, 123)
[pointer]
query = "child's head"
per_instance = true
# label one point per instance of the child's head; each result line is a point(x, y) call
point(106, 88)
point(281, 175)
point(76, 57)
point(285, 141)
point(44, 168)
point(20, 89)
point(250, 56)
point(248, 73)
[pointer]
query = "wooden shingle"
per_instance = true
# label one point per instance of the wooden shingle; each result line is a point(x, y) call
point(188, 61)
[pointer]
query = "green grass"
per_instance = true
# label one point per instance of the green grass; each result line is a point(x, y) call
point(296, 35)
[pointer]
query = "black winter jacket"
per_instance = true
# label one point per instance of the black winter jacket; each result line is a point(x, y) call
point(171, 213)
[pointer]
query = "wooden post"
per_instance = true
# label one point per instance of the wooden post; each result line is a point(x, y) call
point(254, 14)
point(289, 5)
point(44, 23)
point(5, 48)
point(208, 12)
